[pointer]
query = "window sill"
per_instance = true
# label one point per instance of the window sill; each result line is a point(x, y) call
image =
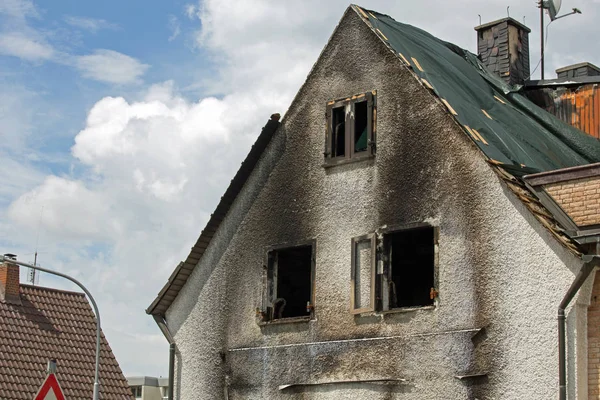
point(407, 309)
point(293, 320)
point(343, 161)
point(404, 310)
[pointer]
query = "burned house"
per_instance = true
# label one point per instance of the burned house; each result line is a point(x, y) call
point(411, 229)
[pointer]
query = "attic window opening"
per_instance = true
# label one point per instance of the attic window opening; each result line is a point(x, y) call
point(289, 283)
point(351, 128)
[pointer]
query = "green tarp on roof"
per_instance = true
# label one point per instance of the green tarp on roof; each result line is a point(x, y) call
point(508, 127)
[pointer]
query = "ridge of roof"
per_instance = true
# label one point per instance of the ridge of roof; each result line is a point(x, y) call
point(49, 289)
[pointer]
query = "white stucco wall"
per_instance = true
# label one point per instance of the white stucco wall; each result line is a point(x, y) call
point(499, 270)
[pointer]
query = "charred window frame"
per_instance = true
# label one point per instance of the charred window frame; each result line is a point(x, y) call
point(363, 259)
point(403, 270)
point(288, 283)
point(351, 128)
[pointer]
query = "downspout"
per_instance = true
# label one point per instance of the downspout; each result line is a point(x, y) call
point(160, 321)
point(590, 261)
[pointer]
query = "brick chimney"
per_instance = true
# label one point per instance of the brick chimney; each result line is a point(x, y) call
point(503, 47)
point(9, 282)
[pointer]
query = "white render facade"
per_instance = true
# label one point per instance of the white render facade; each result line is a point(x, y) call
point(500, 275)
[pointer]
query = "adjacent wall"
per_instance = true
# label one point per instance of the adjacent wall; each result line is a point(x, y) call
point(501, 275)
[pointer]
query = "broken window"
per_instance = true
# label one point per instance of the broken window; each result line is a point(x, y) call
point(350, 128)
point(290, 274)
point(399, 274)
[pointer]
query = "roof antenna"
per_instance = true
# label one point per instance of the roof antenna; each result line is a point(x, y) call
point(508, 11)
point(524, 20)
point(33, 276)
point(553, 7)
point(479, 19)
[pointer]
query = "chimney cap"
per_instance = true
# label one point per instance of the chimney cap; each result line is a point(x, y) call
point(11, 256)
point(578, 65)
point(499, 21)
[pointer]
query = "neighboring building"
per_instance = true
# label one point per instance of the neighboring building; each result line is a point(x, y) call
point(408, 231)
point(39, 324)
point(148, 387)
point(573, 97)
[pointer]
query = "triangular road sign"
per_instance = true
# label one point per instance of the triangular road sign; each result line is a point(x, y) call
point(50, 390)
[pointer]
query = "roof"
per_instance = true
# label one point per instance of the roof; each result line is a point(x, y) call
point(508, 128)
point(578, 65)
point(147, 381)
point(60, 325)
point(511, 131)
point(179, 277)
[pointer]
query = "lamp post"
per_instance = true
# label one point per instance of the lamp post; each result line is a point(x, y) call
point(92, 301)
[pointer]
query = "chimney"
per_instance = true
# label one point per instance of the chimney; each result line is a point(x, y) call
point(578, 70)
point(503, 47)
point(9, 281)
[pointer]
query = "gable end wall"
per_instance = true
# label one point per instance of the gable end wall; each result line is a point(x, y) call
point(501, 274)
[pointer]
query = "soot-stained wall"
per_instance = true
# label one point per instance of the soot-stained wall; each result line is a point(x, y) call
point(500, 274)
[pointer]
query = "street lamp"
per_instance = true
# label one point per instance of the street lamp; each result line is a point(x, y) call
point(87, 292)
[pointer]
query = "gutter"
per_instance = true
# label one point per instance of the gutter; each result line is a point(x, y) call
point(590, 262)
point(161, 322)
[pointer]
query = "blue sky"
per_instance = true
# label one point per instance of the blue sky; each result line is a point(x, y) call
point(121, 123)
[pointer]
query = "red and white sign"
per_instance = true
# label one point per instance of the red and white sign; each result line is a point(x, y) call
point(50, 390)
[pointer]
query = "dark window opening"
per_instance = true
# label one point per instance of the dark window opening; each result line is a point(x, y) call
point(351, 128)
point(290, 283)
point(411, 267)
point(361, 132)
point(338, 129)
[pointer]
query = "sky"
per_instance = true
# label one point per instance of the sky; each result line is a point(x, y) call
point(122, 123)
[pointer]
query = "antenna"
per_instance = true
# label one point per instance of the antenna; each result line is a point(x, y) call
point(33, 276)
point(553, 7)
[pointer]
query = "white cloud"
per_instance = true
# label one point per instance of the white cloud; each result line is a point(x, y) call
point(18, 8)
point(19, 45)
point(111, 66)
point(92, 25)
point(174, 27)
point(191, 10)
point(70, 209)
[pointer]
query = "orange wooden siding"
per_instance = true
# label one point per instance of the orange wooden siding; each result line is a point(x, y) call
point(579, 107)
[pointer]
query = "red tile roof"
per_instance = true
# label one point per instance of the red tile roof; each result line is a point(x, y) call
point(60, 325)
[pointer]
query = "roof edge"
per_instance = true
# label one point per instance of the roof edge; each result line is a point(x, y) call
point(578, 65)
point(563, 174)
point(221, 211)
